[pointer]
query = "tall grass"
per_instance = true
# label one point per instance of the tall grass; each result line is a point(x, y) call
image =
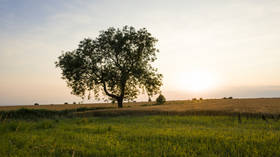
point(141, 136)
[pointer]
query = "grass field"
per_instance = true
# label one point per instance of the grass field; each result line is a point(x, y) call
point(214, 127)
point(141, 136)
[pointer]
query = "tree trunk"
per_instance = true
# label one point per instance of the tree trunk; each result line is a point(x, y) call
point(120, 99)
point(120, 102)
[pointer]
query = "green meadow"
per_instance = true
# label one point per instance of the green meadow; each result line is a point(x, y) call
point(150, 135)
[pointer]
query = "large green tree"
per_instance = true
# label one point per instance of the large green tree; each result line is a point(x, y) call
point(117, 63)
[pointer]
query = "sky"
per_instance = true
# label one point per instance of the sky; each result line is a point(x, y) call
point(209, 49)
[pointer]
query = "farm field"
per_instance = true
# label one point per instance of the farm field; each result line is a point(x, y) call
point(214, 127)
point(141, 136)
point(254, 105)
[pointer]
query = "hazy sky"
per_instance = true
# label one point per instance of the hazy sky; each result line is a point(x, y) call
point(207, 48)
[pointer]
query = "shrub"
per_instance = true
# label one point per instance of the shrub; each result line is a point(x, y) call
point(194, 99)
point(228, 97)
point(74, 102)
point(160, 99)
point(200, 98)
point(36, 104)
point(65, 103)
point(149, 100)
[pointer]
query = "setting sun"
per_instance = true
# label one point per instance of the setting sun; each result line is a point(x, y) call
point(198, 81)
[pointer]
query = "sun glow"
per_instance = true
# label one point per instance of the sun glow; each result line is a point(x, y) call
point(198, 81)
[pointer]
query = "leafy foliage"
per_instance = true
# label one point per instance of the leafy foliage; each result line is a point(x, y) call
point(117, 63)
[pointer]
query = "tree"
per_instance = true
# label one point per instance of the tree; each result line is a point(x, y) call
point(117, 64)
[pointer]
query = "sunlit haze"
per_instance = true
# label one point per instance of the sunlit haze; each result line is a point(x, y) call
point(197, 81)
point(209, 49)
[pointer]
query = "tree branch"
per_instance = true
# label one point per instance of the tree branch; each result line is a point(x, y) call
point(106, 91)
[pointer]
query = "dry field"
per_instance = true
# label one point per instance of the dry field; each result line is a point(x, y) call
point(256, 105)
point(260, 105)
point(59, 107)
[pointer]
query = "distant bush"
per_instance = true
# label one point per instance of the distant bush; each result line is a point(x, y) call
point(74, 102)
point(36, 104)
point(149, 100)
point(194, 99)
point(65, 103)
point(160, 99)
point(228, 97)
point(200, 98)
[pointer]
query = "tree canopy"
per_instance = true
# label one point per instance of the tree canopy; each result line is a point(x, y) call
point(116, 64)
